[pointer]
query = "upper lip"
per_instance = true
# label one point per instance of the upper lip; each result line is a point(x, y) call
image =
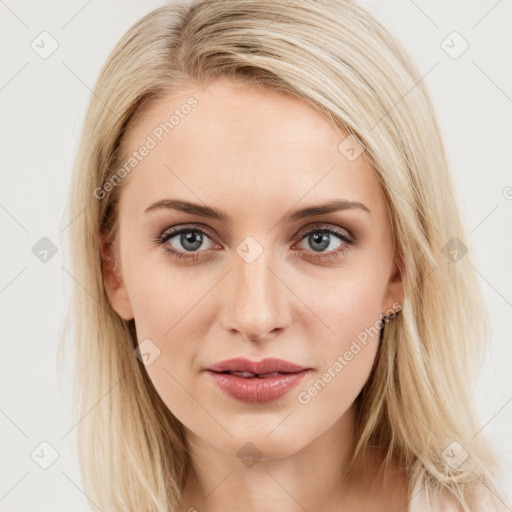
point(268, 365)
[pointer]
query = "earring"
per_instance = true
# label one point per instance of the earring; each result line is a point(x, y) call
point(387, 318)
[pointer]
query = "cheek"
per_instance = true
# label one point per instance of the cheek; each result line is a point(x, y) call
point(347, 357)
point(359, 308)
point(348, 303)
point(169, 311)
point(350, 306)
point(162, 296)
point(169, 325)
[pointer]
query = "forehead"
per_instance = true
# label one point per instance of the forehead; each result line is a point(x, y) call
point(232, 142)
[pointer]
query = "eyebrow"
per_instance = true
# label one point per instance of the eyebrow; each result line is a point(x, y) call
point(214, 213)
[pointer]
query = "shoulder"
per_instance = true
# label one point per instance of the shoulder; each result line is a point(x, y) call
point(485, 500)
point(480, 499)
point(441, 501)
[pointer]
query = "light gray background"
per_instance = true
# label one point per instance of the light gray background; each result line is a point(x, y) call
point(43, 102)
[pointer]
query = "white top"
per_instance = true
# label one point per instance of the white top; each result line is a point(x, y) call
point(421, 500)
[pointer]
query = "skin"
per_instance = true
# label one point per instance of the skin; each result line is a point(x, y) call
point(257, 155)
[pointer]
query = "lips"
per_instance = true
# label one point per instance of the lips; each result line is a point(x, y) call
point(257, 382)
point(268, 367)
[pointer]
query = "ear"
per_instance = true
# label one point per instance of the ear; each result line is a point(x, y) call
point(394, 291)
point(113, 282)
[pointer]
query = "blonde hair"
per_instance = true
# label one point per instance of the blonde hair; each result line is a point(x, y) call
point(346, 64)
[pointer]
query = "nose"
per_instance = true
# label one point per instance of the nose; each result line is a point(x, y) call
point(257, 305)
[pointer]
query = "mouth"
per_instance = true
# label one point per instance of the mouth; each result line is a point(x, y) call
point(248, 375)
point(257, 382)
point(246, 368)
point(257, 388)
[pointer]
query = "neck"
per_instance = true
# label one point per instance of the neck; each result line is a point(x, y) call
point(310, 478)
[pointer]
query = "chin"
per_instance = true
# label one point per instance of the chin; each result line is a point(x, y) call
point(254, 442)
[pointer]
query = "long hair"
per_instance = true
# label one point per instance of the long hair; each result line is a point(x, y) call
point(418, 403)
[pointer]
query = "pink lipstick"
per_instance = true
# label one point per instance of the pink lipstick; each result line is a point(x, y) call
point(257, 382)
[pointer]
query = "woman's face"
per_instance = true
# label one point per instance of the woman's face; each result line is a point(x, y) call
point(260, 280)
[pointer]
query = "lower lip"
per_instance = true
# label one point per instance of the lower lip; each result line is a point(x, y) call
point(256, 390)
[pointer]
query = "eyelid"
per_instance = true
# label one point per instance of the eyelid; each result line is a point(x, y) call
point(343, 233)
point(177, 229)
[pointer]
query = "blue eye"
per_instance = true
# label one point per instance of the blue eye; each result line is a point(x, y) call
point(319, 238)
point(191, 239)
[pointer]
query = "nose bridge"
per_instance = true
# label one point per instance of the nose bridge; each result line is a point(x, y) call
point(256, 303)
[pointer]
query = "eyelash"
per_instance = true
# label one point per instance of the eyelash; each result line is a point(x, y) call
point(331, 256)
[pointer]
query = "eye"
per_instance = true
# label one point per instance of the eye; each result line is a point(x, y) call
point(191, 240)
point(186, 242)
point(324, 237)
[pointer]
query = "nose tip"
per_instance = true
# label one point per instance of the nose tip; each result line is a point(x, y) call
point(256, 305)
point(262, 337)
